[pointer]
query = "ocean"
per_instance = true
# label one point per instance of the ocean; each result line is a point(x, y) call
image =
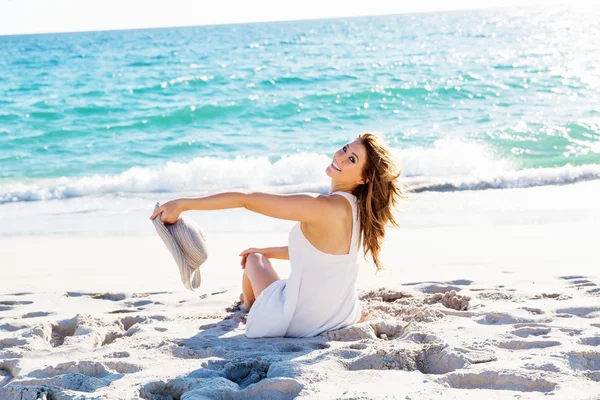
point(104, 124)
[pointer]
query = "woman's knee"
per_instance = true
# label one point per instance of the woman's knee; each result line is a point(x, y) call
point(257, 265)
point(255, 259)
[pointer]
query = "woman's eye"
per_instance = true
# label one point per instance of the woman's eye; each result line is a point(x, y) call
point(352, 159)
point(344, 148)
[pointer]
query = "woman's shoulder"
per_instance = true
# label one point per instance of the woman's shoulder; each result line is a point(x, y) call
point(339, 193)
point(347, 206)
point(339, 205)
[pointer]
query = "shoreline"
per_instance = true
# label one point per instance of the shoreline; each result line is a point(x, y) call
point(100, 216)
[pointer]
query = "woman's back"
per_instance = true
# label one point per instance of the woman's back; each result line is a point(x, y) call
point(319, 295)
point(327, 298)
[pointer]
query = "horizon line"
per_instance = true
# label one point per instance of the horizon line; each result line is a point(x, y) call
point(219, 24)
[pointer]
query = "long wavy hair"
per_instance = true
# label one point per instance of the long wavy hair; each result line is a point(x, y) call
point(378, 196)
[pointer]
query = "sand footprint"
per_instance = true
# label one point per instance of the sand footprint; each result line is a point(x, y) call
point(494, 380)
point(7, 305)
point(436, 288)
point(572, 331)
point(532, 310)
point(431, 358)
point(79, 331)
point(291, 347)
point(5, 376)
point(117, 354)
point(172, 389)
point(544, 366)
point(531, 331)
point(128, 322)
point(100, 296)
point(246, 372)
point(555, 296)
point(128, 326)
point(116, 297)
point(90, 368)
point(83, 376)
point(236, 380)
point(11, 342)
point(404, 358)
point(15, 302)
point(582, 312)
point(13, 326)
point(139, 303)
point(9, 369)
point(136, 301)
point(123, 311)
point(586, 362)
point(590, 341)
point(440, 287)
point(62, 330)
point(501, 318)
point(582, 282)
point(372, 329)
point(527, 344)
point(37, 314)
point(494, 295)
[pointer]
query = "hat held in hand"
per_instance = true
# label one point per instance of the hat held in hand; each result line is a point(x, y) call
point(187, 243)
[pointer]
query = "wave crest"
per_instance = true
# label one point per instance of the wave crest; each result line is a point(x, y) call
point(449, 165)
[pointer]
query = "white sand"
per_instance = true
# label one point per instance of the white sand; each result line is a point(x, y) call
point(106, 317)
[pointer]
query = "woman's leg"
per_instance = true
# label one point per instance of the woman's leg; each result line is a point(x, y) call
point(258, 274)
point(248, 294)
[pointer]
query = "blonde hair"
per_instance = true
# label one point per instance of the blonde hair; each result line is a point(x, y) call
point(378, 196)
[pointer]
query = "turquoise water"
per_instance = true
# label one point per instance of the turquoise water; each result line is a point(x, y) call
point(468, 100)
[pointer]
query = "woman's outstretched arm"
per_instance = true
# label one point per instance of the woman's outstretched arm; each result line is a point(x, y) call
point(295, 207)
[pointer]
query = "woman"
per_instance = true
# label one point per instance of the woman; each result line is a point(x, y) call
point(320, 294)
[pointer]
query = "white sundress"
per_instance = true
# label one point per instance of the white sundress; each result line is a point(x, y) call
point(320, 295)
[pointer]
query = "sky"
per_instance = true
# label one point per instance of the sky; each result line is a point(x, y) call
point(44, 16)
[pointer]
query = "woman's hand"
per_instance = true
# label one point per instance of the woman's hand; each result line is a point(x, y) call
point(244, 254)
point(170, 211)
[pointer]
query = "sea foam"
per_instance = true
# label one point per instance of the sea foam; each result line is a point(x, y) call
point(450, 165)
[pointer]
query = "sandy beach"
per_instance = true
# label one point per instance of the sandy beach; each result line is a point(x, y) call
point(484, 299)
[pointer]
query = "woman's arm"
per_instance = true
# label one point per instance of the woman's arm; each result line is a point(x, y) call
point(295, 207)
point(281, 253)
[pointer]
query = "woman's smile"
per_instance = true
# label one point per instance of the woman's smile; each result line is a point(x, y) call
point(334, 165)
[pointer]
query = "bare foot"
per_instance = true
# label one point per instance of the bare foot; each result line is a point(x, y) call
point(243, 305)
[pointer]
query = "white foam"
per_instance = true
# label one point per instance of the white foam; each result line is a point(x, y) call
point(449, 165)
point(201, 175)
point(453, 158)
point(530, 177)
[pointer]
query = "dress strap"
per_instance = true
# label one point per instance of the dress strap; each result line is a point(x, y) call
point(355, 222)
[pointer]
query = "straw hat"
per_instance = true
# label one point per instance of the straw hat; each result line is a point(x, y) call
point(187, 243)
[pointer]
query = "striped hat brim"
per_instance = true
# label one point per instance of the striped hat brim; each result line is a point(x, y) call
point(190, 277)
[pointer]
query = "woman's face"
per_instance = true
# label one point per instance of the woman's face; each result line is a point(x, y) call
point(347, 164)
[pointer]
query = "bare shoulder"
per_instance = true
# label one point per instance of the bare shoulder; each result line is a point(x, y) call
point(338, 206)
